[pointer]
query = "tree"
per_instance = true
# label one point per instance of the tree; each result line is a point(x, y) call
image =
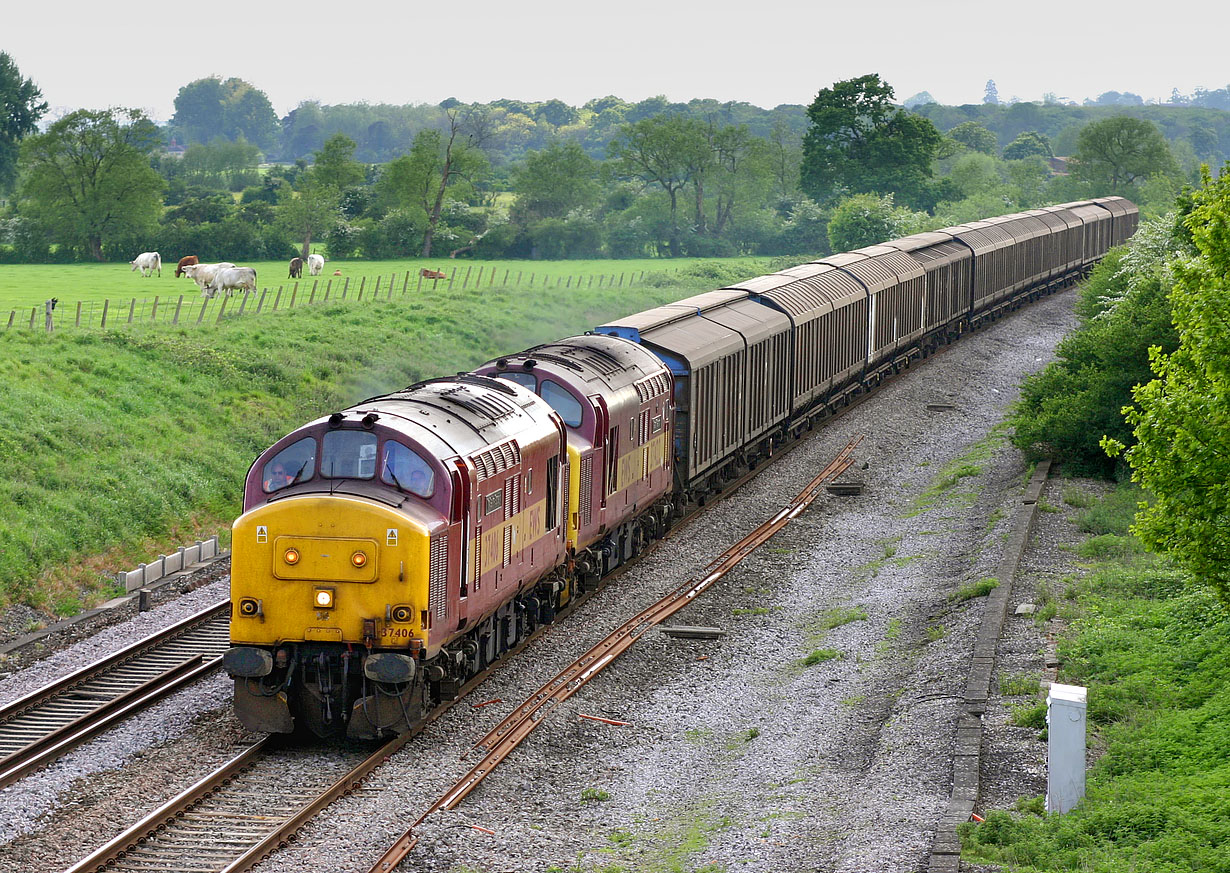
point(1181, 419)
point(555, 181)
point(1115, 153)
point(1028, 143)
point(865, 219)
point(922, 98)
point(666, 151)
point(991, 95)
point(210, 107)
point(21, 107)
point(311, 214)
point(858, 141)
point(459, 156)
point(974, 136)
point(335, 165)
point(89, 179)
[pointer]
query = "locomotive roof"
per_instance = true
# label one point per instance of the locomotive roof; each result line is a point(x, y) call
point(591, 358)
point(462, 414)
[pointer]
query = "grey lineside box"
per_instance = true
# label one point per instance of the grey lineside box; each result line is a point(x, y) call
point(166, 565)
point(1065, 718)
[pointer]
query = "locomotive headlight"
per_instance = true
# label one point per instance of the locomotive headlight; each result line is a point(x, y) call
point(291, 557)
point(324, 598)
point(359, 559)
point(402, 614)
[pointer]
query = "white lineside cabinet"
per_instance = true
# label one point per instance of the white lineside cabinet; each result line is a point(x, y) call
point(1065, 718)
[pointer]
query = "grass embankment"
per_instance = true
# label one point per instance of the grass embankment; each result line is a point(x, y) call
point(122, 444)
point(26, 285)
point(1151, 647)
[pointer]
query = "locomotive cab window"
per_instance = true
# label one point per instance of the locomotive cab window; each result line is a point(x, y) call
point(295, 463)
point(348, 454)
point(558, 398)
point(403, 468)
point(525, 380)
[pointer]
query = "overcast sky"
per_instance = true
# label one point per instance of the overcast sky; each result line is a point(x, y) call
point(765, 52)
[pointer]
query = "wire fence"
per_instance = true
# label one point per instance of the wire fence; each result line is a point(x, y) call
point(191, 310)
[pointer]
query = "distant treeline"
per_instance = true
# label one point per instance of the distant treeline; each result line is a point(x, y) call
point(384, 131)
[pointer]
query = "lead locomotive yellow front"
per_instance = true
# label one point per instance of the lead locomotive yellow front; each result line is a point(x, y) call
point(389, 552)
point(328, 596)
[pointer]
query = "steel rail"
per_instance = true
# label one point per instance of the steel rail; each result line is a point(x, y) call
point(50, 721)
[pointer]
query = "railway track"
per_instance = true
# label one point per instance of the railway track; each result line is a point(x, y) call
point(47, 723)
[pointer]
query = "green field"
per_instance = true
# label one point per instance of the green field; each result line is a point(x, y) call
point(25, 285)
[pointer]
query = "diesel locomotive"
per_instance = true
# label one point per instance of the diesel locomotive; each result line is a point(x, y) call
point(390, 551)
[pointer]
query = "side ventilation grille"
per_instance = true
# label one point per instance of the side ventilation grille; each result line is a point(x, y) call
point(437, 578)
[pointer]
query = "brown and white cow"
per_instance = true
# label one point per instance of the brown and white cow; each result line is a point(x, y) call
point(296, 268)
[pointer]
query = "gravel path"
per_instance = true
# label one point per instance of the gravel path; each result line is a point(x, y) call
point(739, 753)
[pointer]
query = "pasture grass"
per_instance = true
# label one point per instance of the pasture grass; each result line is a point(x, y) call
point(125, 443)
point(25, 285)
point(1149, 644)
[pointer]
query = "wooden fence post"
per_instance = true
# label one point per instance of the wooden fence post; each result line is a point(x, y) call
point(312, 296)
point(591, 283)
point(376, 292)
point(106, 303)
point(621, 280)
point(519, 278)
point(328, 288)
point(405, 284)
point(278, 299)
point(77, 323)
point(531, 280)
point(175, 320)
point(12, 315)
point(260, 304)
point(49, 323)
point(243, 303)
point(479, 280)
point(467, 277)
point(200, 316)
point(33, 312)
point(222, 308)
point(451, 277)
point(362, 282)
point(491, 281)
point(345, 287)
point(420, 285)
point(294, 292)
point(506, 272)
point(132, 307)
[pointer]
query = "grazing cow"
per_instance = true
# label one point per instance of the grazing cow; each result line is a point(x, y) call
point(147, 263)
point(233, 279)
point(203, 274)
point(316, 263)
point(432, 274)
point(186, 261)
point(296, 268)
point(337, 272)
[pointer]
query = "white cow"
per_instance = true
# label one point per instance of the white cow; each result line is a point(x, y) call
point(203, 274)
point(315, 263)
point(233, 279)
point(147, 263)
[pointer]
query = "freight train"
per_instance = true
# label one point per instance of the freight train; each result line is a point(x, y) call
point(390, 551)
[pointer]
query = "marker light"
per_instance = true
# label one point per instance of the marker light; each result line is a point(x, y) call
point(359, 559)
point(324, 598)
point(291, 556)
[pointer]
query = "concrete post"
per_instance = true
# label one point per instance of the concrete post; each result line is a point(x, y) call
point(1065, 718)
